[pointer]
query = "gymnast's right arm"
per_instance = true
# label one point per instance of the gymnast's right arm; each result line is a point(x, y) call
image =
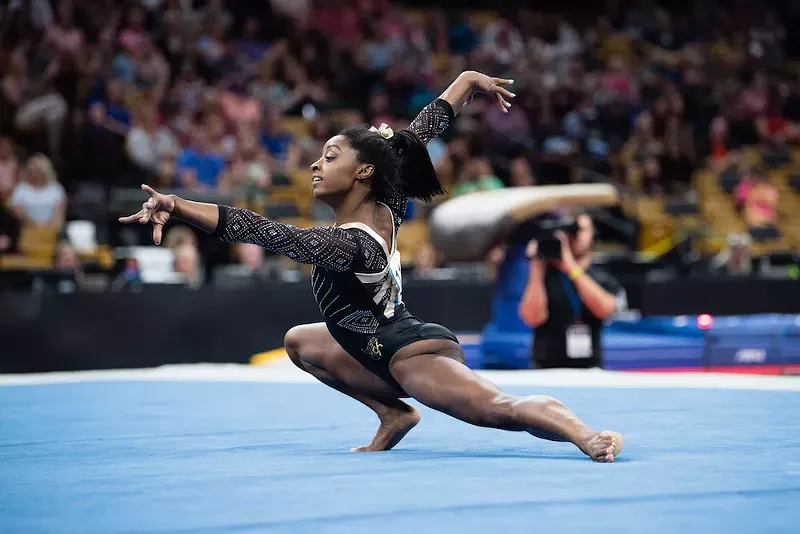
point(334, 248)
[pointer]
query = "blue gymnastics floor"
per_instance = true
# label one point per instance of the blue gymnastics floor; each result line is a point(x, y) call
point(196, 457)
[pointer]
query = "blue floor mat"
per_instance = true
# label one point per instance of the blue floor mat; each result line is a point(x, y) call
point(259, 457)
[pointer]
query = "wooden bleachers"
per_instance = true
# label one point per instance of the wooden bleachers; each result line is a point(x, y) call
point(716, 192)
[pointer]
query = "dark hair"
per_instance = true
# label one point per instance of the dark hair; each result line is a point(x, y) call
point(402, 164)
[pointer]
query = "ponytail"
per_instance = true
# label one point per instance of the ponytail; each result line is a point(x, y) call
point(402, 164)
point(417, 175)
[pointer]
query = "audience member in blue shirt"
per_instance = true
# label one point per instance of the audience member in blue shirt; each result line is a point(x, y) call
point(272, 138)
point(198, 166)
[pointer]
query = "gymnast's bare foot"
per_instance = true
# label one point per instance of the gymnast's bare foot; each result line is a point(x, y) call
point(395, 424)
point(603, 446)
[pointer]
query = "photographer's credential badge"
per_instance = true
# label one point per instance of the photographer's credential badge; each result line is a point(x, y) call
point(579, 341)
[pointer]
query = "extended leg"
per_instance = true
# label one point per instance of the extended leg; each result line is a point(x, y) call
point(313, 349)
point(431, 372)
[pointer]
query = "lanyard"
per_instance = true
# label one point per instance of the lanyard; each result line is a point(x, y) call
point(574, 300)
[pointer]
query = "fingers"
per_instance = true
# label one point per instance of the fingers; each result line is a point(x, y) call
point(508, 95)
point(149, 190)
point(157, 227)
point(502, 81)
point(132, 218)
point(499, 100)
point(502, 95)
point(148, 211)
point(501, 103)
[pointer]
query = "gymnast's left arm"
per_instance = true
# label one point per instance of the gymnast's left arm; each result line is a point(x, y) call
point(437, 116)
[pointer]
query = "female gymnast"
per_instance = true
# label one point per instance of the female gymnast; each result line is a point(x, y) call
point(369, 346)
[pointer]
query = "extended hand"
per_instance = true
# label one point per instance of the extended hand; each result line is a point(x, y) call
point(495, 87)
point(156, 210)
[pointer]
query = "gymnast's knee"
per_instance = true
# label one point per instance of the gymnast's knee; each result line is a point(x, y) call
point(293, 343)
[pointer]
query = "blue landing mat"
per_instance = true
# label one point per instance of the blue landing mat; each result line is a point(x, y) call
point(257, 457)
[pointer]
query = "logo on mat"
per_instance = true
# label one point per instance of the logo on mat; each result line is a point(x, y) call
point(374, 348)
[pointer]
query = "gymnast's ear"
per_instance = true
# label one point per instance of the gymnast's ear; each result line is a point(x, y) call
point(364, 171)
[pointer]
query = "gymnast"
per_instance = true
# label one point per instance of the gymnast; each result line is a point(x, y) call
point(370, 347)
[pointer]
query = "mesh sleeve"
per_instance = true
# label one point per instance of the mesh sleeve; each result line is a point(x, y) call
point(432, 120)
point(336, 249)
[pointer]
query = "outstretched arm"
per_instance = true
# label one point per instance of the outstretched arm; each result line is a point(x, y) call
point(334, 248)
point(437, 116)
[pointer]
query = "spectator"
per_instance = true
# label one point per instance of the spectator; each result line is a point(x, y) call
point(651, 177)
point(251, 257)
point(199, 167)
point(249, 170)
point(39, 199)
point(150, 70)
point(759, 201)
point(118, 117)
point(477, 176)
point(502, 42)
point(8, 169)
point(521, 173)
point(252, 49)
point(134, 33)
point(187, 264)
point(67, 260)
point(40, 12)
point(66, 39)
point(718, 136)
point(222, 143)
point(643, 145)
point(212, 48)
point(148, 144)
point(180, 235)
point(33, 105)
point(274, 139)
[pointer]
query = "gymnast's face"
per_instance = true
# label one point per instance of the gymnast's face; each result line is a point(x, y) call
point(338, 171)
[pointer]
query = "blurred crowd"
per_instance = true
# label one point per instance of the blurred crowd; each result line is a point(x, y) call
point(202, 95)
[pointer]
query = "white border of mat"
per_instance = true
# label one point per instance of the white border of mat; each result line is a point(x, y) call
point(280, 372)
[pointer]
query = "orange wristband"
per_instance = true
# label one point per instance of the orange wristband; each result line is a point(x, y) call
point(575, 273)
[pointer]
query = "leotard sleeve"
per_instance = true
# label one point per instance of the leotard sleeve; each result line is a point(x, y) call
point(432, 120)
point(430, 123)
point(337, 249)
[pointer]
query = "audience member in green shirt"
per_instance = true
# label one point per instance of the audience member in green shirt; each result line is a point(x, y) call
point(478, 175)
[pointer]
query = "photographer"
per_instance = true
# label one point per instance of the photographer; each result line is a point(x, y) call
point(566, 299)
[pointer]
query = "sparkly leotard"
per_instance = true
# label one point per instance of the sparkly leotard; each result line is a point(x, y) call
point(356, 276)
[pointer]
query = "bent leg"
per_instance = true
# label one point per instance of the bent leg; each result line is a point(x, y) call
point(313, 349)
point(432, 372)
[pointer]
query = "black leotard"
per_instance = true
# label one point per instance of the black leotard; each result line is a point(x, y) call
point(356, 275)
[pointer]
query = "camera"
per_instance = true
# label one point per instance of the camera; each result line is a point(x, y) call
point(543, 230)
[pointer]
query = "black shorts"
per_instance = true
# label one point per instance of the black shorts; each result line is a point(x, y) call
point(375, 351)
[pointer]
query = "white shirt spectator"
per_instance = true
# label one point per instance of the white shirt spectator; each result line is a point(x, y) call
point(503, 42)
point(39, 203)
point(147, 149)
